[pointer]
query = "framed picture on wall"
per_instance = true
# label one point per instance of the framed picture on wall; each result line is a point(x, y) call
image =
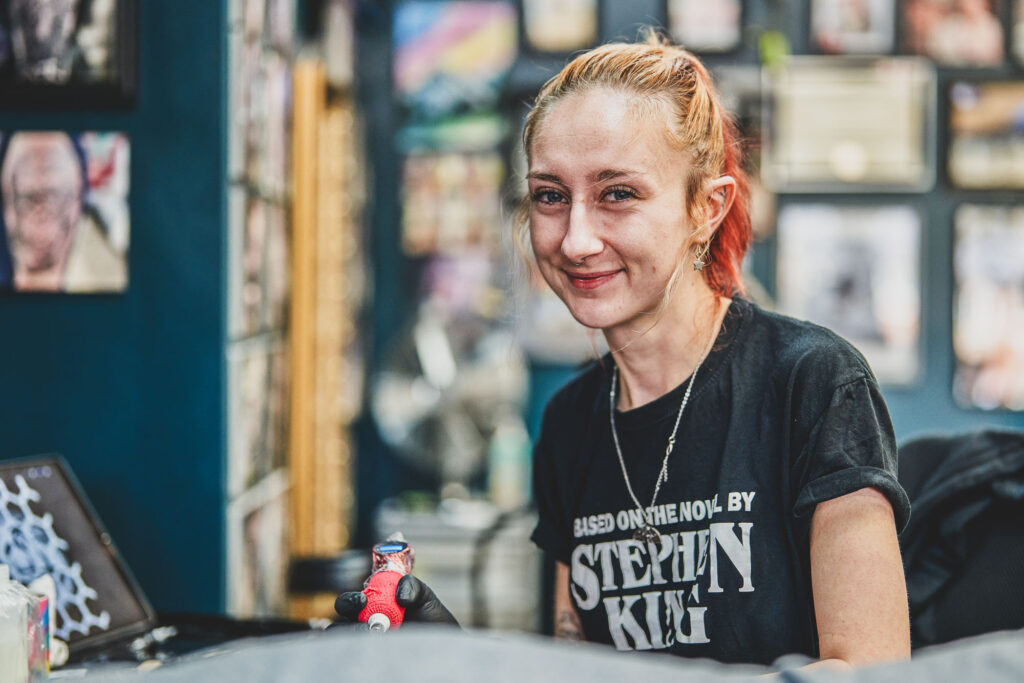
point(850, 124)
point(954, 33)
point(853, 26)
point(986, 135)
point(50, 527)
point(67, 53)
point(451, 58)
point(706, 26)
point(451, 202)
point(64, 223)
point(856, 270)
point(559, 26)
point(988, 306)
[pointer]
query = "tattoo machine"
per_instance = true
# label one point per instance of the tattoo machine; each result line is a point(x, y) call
point(392, 560)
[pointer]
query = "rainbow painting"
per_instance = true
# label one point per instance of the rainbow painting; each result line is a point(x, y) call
point(452, 56)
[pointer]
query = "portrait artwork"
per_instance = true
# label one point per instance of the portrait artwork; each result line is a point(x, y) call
point(64, 224)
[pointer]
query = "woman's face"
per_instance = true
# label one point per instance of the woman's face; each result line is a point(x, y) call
point(607, 191)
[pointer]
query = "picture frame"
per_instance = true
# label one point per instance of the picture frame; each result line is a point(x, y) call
point(98, 599)
point(706, 26)
point(557, 28)
point(451, 202)
point(986, 143)
point(87, 60)
point(945, 33)
point(988, 313)
point(855, 269)
point(853, 27)
point(64, 211)
point(850, 124)
point(433, 75)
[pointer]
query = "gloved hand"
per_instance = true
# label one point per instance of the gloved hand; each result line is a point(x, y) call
point(420, 603)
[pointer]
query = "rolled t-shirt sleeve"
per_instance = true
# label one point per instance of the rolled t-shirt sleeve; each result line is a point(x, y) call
point(851, 446)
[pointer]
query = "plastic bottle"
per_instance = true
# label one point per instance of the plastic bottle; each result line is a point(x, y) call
point(14, 642)
point(508, 463)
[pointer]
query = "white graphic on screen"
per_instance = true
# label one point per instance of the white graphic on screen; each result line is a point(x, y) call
point(31, 548)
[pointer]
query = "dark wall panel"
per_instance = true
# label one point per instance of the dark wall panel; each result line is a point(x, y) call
point(129, 388)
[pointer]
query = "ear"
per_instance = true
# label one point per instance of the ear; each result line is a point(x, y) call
point(719, 195)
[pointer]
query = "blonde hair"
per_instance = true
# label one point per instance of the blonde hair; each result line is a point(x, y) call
point(676, 82)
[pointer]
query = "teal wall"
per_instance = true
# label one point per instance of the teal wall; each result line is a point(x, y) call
point(129, 388)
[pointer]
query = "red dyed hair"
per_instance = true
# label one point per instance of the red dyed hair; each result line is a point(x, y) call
point(676, 83)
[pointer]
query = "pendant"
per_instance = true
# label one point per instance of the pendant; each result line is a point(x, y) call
point(648, 534)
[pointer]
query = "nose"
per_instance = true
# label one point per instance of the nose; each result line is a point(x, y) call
point(582, 238)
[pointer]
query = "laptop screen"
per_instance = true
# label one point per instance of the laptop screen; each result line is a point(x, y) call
point(47, 526)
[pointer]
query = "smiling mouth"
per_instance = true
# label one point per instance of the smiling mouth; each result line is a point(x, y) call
point(590, 280)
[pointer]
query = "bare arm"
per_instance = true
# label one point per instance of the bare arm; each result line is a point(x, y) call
point(860, 596)
point(567, 622)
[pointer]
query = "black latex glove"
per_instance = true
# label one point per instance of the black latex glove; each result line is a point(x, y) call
point(420, 603)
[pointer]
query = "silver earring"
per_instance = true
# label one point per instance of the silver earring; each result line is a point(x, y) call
point(702, 252)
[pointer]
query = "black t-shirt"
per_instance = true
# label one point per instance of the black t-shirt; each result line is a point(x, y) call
point(783, 415)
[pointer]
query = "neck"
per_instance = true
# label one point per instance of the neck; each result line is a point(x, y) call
point(654, 361)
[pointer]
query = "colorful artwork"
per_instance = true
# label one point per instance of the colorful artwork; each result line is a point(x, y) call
point(986, 141)
point(452, 202)
point(452, 56)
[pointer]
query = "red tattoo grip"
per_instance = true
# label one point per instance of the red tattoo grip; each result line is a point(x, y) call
point(380, 597)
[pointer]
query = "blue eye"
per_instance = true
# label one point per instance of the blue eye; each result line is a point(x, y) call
point(620, 194)
point(547, 197)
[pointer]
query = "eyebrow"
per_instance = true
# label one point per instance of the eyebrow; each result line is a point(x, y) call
point(599, 177)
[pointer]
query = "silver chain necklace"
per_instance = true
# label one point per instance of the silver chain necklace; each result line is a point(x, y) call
point(648, 532)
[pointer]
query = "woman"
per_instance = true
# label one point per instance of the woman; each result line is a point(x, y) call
point(722, 484)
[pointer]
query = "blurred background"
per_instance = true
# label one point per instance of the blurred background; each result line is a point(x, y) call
point(300, 325)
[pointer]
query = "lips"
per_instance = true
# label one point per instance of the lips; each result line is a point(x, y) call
point(590, 280)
